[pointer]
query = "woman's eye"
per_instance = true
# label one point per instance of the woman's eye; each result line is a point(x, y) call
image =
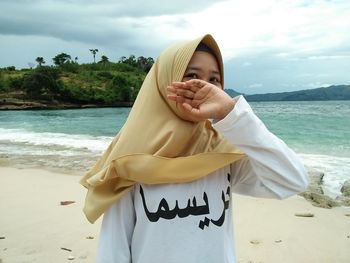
point(192, 76)
point(215, 80)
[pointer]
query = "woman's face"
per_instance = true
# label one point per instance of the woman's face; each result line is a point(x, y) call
point(204, 66)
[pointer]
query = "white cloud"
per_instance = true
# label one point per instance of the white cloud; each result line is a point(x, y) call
point(328, 57)
point(240, 27)
point(255, 85)
point(314, 85)
point(246, 64)
point(274, 41)
point(254, 26)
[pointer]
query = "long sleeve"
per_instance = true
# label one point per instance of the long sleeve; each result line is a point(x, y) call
point(116, 232)
point(271, 169)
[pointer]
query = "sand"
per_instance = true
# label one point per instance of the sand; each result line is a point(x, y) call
point(34, 226)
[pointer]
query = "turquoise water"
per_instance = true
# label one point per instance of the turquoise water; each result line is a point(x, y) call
point(317, 127)
point(73, 139)
point(95, 122)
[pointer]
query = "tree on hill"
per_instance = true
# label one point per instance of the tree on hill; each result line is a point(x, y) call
point(40, 61)
point(122, 59)
point(131, 60)
point(141, 62)
point(42, 81)
point(94, 51)
point(104, 60)
point(145, 64)
point(119, 88)
point(61, 59)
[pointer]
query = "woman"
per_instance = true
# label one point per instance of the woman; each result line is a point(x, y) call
point(165, 182)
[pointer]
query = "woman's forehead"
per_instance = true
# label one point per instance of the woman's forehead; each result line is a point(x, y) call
point(202, 59)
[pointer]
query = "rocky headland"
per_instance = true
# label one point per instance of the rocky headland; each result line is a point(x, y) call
point(11, 103)
point(317, 196)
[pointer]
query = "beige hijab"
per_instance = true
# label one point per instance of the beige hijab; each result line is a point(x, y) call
point(155, 145)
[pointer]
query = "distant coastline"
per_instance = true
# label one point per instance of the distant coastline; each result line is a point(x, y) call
point(335, 92)
point(70, 85)
point(18, 101)
point(11, 103)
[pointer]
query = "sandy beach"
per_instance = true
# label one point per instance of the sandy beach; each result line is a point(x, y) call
point(35, 227)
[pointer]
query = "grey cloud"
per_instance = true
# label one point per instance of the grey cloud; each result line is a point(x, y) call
point(107, 23)
point(274, 73)
point(62, 30)
point(119, 28)
point(55, 12)
point(141, 8)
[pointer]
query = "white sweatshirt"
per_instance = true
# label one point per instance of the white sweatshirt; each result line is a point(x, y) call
point(193, 222)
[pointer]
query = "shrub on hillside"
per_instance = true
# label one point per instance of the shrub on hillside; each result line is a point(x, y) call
point(43, 80)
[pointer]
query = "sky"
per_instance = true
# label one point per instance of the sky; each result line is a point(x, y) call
point(267, 45)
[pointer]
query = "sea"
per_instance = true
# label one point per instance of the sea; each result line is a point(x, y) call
point(72, 140)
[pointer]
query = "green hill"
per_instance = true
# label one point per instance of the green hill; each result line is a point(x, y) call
point(339, 92)
point(232, 92)
point(70, 85)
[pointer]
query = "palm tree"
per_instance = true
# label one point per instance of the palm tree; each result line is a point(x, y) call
point(40, 61)
point(94, 51)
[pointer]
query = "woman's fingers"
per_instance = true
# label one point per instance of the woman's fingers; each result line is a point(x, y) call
point(188, 89)
point(179, 91)
point(192, 85)
point(195, 103)
point(195, 83)
point(198, 113)
point(193, 92)
point(200, 99)
point(179, 99)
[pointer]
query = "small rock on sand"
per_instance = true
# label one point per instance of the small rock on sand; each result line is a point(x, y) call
point(67, 202)
point(255, 242)
point(346, 188)
point(304, 214)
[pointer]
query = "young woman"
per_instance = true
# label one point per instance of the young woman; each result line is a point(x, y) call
point(165, 182)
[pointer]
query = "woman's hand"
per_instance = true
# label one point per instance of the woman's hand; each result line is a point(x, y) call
point(200, 100)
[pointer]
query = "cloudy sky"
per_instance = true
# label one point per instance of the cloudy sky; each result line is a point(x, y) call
point(268, 45)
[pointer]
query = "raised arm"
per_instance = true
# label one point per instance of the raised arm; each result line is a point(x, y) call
point(271, 169)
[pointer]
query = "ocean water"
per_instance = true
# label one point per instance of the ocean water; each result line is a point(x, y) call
point(73, 139)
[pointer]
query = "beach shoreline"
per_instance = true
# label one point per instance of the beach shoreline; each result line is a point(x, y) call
point(35, 227)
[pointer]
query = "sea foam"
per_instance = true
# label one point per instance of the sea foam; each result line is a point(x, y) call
point(81, 150)
point(336, 170)
point(94, 144)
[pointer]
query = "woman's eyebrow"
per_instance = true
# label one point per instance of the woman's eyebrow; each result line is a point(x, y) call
point(193, 68)
point(199, 69)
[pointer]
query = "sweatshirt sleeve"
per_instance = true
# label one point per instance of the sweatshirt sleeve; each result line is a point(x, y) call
point(116, 232)
point(271, 169)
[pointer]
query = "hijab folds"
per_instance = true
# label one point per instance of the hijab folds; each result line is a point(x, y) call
point(155, 145)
